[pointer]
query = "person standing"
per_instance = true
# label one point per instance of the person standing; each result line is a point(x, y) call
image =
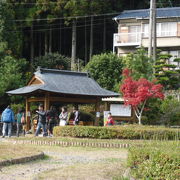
point(63, 117)
point(51, 120)
point(18, 123)
point(41, 120)
point(7, 118)
point(76, 116)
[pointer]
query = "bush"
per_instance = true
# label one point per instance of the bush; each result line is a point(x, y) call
point(155, 161)
point(53, 60)
point(106, 69)
point(118, 132)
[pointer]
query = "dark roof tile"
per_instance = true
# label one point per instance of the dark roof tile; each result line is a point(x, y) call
point(144, 13)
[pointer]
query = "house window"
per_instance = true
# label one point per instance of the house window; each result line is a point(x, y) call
point(134, 33)
point(163, 29)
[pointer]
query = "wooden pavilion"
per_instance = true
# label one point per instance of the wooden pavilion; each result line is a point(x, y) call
point(52, 85)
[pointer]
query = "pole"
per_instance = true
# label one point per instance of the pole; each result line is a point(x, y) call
point(150, 28)
point(154, 32)
point(73, 50)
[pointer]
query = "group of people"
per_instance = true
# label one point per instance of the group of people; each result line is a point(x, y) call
point(46, 120)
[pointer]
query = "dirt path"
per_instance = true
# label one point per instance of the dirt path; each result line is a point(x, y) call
point(66, 163)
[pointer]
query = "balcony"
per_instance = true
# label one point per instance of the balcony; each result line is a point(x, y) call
point(127, 39)
point(138, 38)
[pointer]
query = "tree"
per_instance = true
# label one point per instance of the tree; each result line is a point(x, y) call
point(169, 115)
point(167, 74)
point(52, 60)
point(139, 63)
point(105, 69)
point(12, 75)
point(137, 92)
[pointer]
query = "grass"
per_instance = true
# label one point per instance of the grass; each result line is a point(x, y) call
point(15, 151)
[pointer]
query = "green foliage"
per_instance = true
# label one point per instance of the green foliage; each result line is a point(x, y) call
point(155, 161)
point(152, 112)
point(166, 73)
point(140, 65)
point(9, 33)
point(106, 69)
point(118, 132)
point(170, 116)
point(52, 60)
point(16, 107)
point(11, 76)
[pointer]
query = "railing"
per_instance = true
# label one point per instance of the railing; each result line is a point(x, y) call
point(162, 34)
point(127, 39)
point(133, 39)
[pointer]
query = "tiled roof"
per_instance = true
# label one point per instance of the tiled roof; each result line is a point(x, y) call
point(65, 82)
point(144, 13)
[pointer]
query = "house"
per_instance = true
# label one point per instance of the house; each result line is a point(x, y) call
point(133, 31)
point(50, 86)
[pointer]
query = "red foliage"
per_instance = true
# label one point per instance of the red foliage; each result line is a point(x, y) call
point(136, 92)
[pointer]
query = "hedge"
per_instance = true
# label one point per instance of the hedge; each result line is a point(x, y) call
point(155, 162)
point(118, 132)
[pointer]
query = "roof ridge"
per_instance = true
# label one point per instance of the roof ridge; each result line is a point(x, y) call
point(136, 10)
point(45, 70)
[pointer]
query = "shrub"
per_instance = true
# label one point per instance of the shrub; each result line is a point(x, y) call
point(118, 132)
point(106, 69)
point(155, 161)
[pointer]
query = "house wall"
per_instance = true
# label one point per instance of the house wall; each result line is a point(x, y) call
point(172, 43)
point(164, 42)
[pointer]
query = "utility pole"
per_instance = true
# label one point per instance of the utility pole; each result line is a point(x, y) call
point(150, 28)
point(152, 32)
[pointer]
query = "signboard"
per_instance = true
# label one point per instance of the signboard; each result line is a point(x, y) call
point(120, 110)
point(105, 117)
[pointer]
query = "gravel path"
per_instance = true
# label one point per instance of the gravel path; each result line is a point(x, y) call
point(58, 158)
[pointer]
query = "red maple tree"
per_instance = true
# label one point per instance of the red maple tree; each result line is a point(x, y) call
point(136, 93)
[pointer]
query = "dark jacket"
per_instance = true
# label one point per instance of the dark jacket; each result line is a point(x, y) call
point(8, 116)
point(42, 117)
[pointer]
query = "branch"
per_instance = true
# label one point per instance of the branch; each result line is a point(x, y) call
point(136, 113)
point(143, 107)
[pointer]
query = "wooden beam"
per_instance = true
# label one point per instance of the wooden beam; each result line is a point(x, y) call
point(72, 100)
point(28, 121)
point(36, 99)
point(97, 110)
point(46, 102)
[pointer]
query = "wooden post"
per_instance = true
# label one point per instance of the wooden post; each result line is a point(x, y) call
point(28, 121)
point(97, 109)
point(46, 102)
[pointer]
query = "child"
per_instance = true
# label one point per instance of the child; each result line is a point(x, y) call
point(18, 123)
point(110, 121)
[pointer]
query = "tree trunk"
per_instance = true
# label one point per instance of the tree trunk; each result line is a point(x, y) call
point(60, 37)
point(46, 43)
point(73, 52)
point(85, 43)
point(32, 47)
point(91, 39)
point(50, 40)
point(104, 35)
point(40, 44)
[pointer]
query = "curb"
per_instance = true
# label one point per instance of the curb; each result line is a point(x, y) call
point(21, 160)
point(72, 144)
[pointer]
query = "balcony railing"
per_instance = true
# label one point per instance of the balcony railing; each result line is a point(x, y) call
point(125, 39)
point(134, 39)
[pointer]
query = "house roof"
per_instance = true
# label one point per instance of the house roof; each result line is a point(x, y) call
point(65, 82)
point(144, 13)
